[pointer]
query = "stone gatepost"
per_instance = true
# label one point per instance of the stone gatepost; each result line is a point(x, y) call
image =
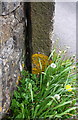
point(11, 49)
point(42, 14)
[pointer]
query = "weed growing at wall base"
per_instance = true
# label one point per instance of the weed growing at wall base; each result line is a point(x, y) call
point(48, 94)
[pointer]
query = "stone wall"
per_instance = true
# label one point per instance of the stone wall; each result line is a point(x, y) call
point(16, 41)
point(11, 50)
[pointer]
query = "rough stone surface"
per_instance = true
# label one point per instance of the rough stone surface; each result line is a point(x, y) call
point(11, 50)
point(42, 24)
point(12, 40)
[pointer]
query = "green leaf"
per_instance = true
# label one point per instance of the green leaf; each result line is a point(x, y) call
point(51, 54)
point(67, 111)
point(14, 104)
point(30, 88)
point(62, 104)
point(19, 116)
point(36, 109)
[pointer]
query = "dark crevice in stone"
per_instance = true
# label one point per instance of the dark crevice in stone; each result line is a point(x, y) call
point(8, 7)
point(3, 6)
point(28, 36)
point(15, 41)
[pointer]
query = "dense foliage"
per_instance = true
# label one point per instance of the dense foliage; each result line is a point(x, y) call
point(48, 94)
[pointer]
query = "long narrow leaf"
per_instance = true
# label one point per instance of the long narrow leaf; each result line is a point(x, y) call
point(68, 110)
point(62, 104)
point(30, 88)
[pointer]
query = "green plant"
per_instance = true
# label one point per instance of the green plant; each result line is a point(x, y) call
point(50, 94)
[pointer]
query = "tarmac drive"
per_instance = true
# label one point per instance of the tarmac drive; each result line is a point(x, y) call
point(65, 26)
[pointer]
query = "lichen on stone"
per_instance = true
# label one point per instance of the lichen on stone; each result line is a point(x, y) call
point(39, 63)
